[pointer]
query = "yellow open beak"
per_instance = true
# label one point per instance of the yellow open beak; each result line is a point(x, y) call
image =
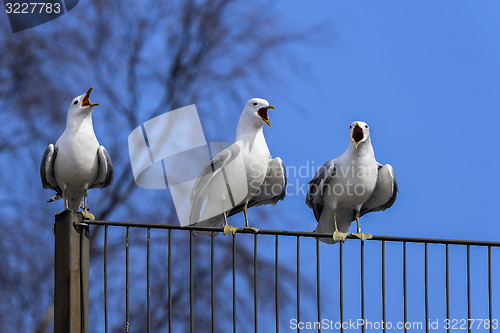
point(263, 114)
point(357, 135)
point(86, 99)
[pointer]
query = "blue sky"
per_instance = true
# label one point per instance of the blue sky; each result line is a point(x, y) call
point(425, 76)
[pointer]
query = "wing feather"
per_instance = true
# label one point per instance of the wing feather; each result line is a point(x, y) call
point(47, 169)
point(105, 173)
point(385, 193)
point(213, 168)
point(314, 197)
point(272, 190)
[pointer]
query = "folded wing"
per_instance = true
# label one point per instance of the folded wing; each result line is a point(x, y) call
point(47, 169)
point(105, 172)
point(385, 193)
point(199, 193)
point(272, 190)
point(314, 197)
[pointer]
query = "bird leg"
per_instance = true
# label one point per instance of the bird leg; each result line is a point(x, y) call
point(227, 228)
point(86, 214)
point(359, 234)
point(65, 201)
point(245, 209)
point(337, 235)
point(83, 204)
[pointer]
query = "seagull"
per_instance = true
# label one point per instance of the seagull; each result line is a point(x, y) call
point(76, 162)
point(350, 186)
point(241, 176)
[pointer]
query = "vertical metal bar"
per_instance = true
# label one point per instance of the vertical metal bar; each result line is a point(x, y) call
point(426, 291)
point(341, 285)
point(490, 304)
point(148, 272)
point(191, 293)
point(71, 273)
point(169, 280)
point(127, 322)
point(212, 279)
point(234, 283)
point(106, 279)
point(298, 281)
point(468, 290)
point(383, 286)
point(447, 286)
point(318, 298)
point(276, 284)
point(255, 281)
point(83, 230)
point(405, 309)
point(362, 251)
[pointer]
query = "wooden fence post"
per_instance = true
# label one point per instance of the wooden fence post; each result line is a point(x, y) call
point(71, 273)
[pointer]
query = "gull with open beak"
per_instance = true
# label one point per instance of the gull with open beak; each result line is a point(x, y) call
point(349, 186)
point(76, 162)
point(241, 176)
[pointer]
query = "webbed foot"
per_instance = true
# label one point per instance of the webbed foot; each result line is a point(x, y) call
point(339, 236)
point(363, 236)
point(229, 229)
point(88, 216)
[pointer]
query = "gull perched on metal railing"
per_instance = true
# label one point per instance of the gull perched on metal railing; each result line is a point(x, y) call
point(349, 186)
point(76, 162)
point(241, 176)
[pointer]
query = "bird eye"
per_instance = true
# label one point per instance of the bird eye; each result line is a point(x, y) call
point(366, 126)
point(254, 103)
point(350, 126)
point(75, 102)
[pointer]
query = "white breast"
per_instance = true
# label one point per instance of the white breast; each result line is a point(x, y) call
point(75, 167)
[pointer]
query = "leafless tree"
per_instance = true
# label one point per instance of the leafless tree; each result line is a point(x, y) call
point(144, 58)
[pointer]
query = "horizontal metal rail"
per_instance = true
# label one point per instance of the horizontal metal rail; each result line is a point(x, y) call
point(402, 269)
point(296, 233)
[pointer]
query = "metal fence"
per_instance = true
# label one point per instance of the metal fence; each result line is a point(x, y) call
point(399, 284)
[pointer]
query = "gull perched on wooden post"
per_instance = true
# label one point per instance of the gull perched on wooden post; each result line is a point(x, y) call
point(76, 162)
point(349, 186)
point(241, 176)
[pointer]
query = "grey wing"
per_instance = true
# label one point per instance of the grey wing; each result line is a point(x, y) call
point(314, 197)
point(272, 190)
point(105, 172)
point(47, 169)
point(200, 187)
point(385, 192)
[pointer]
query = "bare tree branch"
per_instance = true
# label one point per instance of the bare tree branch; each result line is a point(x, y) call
point(144, 59)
